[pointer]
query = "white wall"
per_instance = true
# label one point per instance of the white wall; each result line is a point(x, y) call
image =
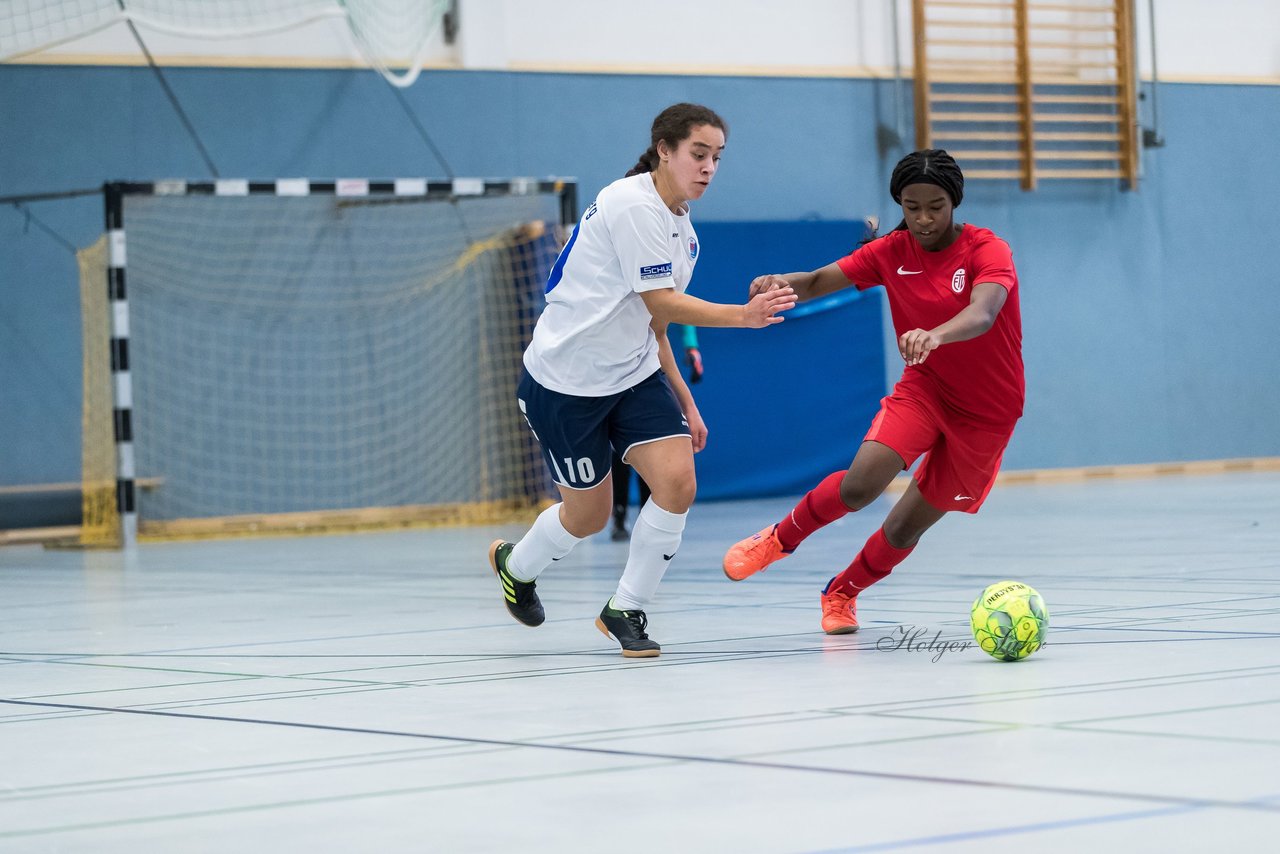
point(1228, 40)
point(1211, 39)
point(845, 37)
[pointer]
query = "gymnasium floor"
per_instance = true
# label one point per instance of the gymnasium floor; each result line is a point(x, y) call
point(370, 693)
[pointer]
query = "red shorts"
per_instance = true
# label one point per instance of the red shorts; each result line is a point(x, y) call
point(961, 456)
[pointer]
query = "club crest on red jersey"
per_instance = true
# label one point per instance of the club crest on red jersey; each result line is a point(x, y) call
point(957, 281)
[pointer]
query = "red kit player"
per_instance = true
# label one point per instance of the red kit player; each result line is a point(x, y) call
point(953, 294)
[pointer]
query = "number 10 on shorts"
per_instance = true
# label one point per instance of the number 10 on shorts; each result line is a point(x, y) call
point(584, 470)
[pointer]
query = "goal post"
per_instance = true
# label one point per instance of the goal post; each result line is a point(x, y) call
point(299, 355)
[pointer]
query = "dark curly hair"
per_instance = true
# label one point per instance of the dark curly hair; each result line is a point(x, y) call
point(927, 166)
point(673, 125)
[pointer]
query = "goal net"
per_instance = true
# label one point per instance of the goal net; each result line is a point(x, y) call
point(299, 355)
point(395, 37)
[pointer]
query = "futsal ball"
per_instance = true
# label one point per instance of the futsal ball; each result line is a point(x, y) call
point(1009, 620)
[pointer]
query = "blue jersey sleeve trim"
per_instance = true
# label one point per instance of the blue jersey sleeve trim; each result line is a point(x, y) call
point(557, 269)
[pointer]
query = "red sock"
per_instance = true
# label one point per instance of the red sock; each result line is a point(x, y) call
point(821, 506)
point(876, 560)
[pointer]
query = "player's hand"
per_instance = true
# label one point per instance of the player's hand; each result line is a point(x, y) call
point(916, 345)
point(764, 308)
point(761, 284)
point(697, 428)
point(694, 357)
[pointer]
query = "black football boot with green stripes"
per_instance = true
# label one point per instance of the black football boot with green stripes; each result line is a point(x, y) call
point(520, 596)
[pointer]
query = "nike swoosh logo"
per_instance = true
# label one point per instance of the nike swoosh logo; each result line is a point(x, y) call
point(556, 558)
point(668, 557)
point(963, 498)
point(902, 272)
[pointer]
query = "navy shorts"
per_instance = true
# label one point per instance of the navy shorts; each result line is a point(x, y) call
point(579, 434)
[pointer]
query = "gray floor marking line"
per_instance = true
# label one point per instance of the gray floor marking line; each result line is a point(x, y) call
point(1194, 710)
point(1181, 736)
point(336, 799)
point(232, 773)
point(706, 760)
point(230, 676)
point(623, 664)
point(1086, 687)
point(1039, 827)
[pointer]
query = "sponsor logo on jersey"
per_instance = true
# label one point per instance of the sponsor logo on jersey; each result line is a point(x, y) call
point(957, 281)
point(902, 272)
point(655, 271)
point(693, 248)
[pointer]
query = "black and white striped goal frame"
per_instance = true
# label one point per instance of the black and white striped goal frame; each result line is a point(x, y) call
point(114, 193)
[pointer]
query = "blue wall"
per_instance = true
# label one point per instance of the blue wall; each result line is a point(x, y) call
point(790, 403)
point(1150, 316)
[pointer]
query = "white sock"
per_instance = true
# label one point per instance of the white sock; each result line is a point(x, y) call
point(546, 541)
point(654, 541)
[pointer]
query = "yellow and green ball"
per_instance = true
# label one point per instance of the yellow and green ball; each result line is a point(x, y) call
point(1009, 620)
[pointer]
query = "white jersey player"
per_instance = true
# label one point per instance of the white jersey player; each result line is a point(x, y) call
point(595, 337)
point(600, 374)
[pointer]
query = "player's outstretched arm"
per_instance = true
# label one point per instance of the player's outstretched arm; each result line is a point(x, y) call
point(765, 309)
point(811, 285)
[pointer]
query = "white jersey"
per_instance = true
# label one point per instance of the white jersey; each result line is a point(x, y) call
point(594, 339)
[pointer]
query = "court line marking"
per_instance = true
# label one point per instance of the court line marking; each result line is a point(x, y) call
point(1145, 797)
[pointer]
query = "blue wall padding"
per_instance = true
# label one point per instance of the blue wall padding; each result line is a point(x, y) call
point(786, 405)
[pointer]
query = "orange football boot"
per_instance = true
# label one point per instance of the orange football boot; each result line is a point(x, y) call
point(839, 613)
point(747, 557)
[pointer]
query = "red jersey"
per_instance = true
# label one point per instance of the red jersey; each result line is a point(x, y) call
point(982, 378)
